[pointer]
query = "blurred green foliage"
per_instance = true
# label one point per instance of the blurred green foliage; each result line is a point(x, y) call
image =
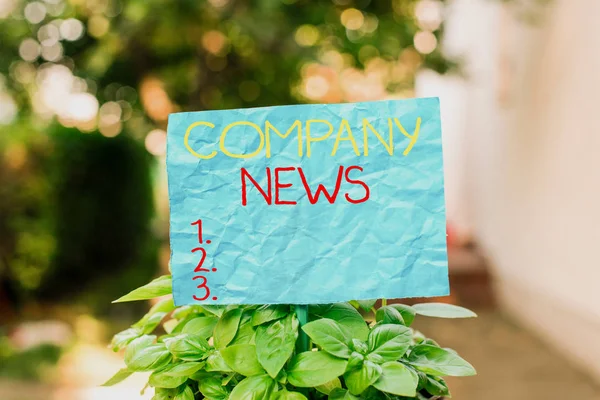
point(78, 219)
point(76, 208)
point(103, 208)
point(26, 364)
point(204, 51)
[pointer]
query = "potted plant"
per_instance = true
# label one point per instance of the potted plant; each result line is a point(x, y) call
point(286, 352)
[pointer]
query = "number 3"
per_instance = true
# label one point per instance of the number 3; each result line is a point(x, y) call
point(202, 286)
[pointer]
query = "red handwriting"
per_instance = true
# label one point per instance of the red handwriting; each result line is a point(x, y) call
point(204, 284)
point(268, 197)
point(313, 196)
point(357, 182)
point(199, 266)
point(279, 185)
point(321, 189)
point(199, 223)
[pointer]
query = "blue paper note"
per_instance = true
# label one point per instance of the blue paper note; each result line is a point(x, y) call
point(250, 225)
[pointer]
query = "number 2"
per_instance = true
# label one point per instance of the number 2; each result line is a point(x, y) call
point(199, 266)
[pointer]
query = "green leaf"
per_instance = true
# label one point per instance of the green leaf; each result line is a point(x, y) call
point(342, 394)
point(366, 304)
point(200, 326)
point(203, 374)
point(442, 310)
point(389, 341)
point(162, 379)
point(328, 387)
point(119, 377)
point(430, 342)
point(184, 369)
point(359, 380)
point(397, 379)
point(155, 315)
point(436, 387)
point(268, 313)
point(242, 359)
point(376, 358)
point(214, 310)
point(187, 347)
point(185, 393)
point(389, 315)
point(152, 322)
point(158, 287)
point(330, 336)
point(314, 368)
point(418, 337)
point(345, 315)
point(257, 387)
point(164, 394)
point(216, 363)
point(408, 313)
point(245, 333)
point(439, 362)
point(169, 325)
point(227, 327)
point(122, 339)
point(213, 389)
point(142, 354)
point(355, 361)
point(285, 395)
point(178, 328)
point(275, 343)
point(183, 312)
point(360, 346)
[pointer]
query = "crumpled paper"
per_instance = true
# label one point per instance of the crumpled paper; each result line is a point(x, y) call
point(392, 245)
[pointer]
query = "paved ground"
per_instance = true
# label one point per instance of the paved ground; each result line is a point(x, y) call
point(511, 364)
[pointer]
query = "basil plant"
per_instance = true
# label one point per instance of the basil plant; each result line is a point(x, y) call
point(262, 353)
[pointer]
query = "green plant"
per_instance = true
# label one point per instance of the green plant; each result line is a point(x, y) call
point(261, 352)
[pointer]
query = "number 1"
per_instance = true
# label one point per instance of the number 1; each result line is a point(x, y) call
point(199, 223)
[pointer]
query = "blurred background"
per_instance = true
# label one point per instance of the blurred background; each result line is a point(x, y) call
point(85, 90)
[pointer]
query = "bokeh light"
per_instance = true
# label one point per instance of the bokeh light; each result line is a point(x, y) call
point(352, 18)
point(214, 42)
point(429, 14)
point(315, 87)
point(23, 72)
point(35, 12)
point(371, 24)
point(307, 35)
point(48, 35)
point(29, 50)
point(109, 119)
point(53, 52)
point(98, 26)
point(71, 29)
point(7, 7)
point(82, 107)
point(156, 142)
point(8, 108)
point(425, 42)
point(218, 3)
point(155, 99)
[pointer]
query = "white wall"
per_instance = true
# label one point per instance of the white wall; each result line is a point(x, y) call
point(533, 165)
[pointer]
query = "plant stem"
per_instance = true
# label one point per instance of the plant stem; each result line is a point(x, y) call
point(383, 302)
point(302, 344)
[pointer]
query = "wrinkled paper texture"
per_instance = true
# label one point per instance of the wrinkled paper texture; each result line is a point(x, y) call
point(393, 245)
